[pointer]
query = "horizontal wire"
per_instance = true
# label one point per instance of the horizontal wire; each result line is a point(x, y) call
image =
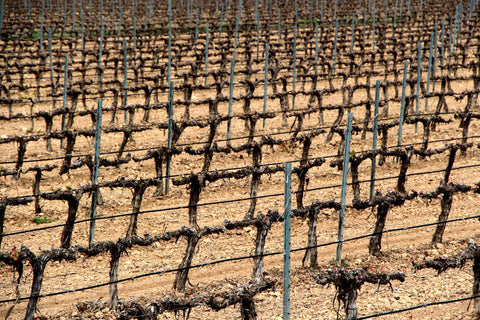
point(235, 259)
point(224, 201)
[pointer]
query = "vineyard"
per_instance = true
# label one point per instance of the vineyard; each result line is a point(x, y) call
point(254, 159)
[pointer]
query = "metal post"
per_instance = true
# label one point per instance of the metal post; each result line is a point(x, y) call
point(2, 11)
point(206, 56)
point(230, 101)
point(257, 20)
point(429, 71)
point(279, 27)
point(364, 26)
point(221, 25)
point(435, 49)
point(395, 13)
point(50, 55)
point(374, 142)
point(265, 95)
point(316, 50)
point(346, 159)
point(352, 40)
point(335, 46)
point(100, 56)
point(373, 26)
point(386, 12)
point(74, 8)
point(295, 56)
point(286, 241)
point(402, 105)
point(196, 33)
point(419, 80)
point(125, 79)
point(64, 106)
point(82, 30)
point(96, 163)
point(169, 70)
point(41, 26)
point(443, 47)
point(134, 41)
point(237, 22)
point(170, 134)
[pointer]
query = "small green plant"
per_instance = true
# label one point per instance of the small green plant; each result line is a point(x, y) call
point(42, 220)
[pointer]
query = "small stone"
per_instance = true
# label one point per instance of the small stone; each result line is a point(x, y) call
point(99, 315)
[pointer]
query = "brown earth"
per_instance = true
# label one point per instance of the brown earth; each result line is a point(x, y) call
point(309, 300)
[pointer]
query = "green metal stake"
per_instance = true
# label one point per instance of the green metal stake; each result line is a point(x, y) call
point(443, 47)
point(265, 86)
point(221, 25)
point(257, 20)
point(206, 57)
point(236, 38)
point(64, 106)
point(395, 14)
point(279, 28)
point(134, 41)
point(82, 29)
point(169, 70)
point(429, 70)
point(373, 25)
point(346, 159)
point(435, 49)
point(316, 51)
point(93, 208)
point(100, 56)
point(352, 39)
point(170, 134)
point(196, 33)
point(125, 79)
point(2, 11)
point(402, 105)
point(41, 26)
point(286, 240)
point(295, 57)
point(364, 26)
point(230, 101)
point(50, 55)
point(74, 9)
point(386, 12)
point(374, 142)
point(335, 47)
point(419, 80)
